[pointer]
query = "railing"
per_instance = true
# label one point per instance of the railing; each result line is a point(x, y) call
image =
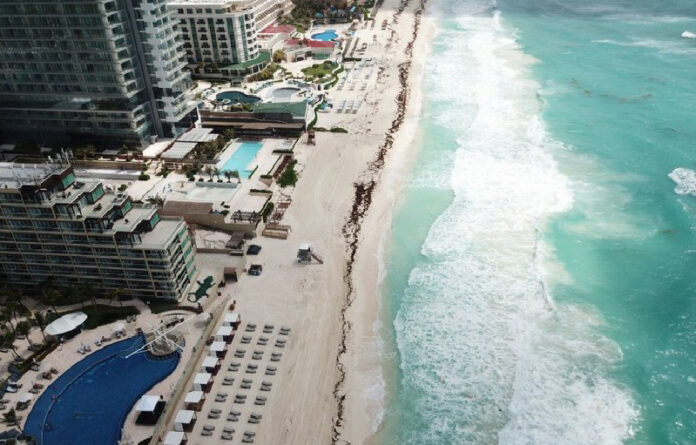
point(186, 377)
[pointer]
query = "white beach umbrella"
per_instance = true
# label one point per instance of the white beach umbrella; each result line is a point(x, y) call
point(26, 397)
point(66, 323)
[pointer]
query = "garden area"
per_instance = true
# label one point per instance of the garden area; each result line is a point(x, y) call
point(322, 72)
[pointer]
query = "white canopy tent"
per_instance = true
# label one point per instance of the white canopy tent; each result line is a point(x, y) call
point(183, 418)
point(217, 346)
point(66, 323)
point(147, 403)
point(174, 438)
point(26, 397)
point(231, 317)
point(194, 397)
point(210, 362)
point(202, 378)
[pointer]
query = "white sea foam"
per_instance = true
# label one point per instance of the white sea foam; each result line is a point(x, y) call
point(685, 180)
point(487, 356)
point(662, 46)
point(688, 35)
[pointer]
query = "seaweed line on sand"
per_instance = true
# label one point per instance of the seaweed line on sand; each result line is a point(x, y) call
point(362, 200)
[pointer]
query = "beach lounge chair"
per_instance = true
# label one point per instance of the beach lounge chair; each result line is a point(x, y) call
point(228, 381)
point(284, 330)
point(279, 344)
point(246, 439)
point(246, 339)
point(263, 341)
point(227, 436)
point(232, 418)
point(246, 384)
point(260, 400)
point(214, 415)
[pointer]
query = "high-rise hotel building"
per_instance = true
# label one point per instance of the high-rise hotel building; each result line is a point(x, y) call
point(108, 71)
point(53, 226)
point(220, 36)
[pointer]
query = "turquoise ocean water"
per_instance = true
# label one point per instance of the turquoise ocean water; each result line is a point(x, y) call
point(541, 273)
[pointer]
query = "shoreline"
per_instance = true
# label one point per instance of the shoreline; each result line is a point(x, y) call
point(360, 359)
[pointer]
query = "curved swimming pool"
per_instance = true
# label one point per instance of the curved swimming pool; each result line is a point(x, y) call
point(284, 93)
point(237, 97)
point(327, 36)
point(89, 402)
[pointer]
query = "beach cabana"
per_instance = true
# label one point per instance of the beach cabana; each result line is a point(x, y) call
point(175, 438)
point(185, 420)
point(203, 381)
point(218, 349)
point(211, 365)
point(224, 333)
point(149, 409)
point(66, 326)
point(232, 319)
point(194, 400)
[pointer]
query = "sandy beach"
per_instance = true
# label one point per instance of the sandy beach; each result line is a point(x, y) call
point(320, 399)
point(366, 385)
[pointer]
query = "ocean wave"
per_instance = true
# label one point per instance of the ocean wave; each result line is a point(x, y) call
point(685, 180)
point(487, 356)
point(662, 46)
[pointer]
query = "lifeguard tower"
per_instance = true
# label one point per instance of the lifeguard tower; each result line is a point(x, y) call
point(305, 255)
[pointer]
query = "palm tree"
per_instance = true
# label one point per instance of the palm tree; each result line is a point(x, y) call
point(209, 171)
point(216, 172)
point(10, 419)
point(227, 174)
point(7, 341)
point(41, 322)
point(116, 295)
point(235, 174)
point(12, 308)
point(85, 291)
point(24, 328)
point(50, 296)
point(6, 316)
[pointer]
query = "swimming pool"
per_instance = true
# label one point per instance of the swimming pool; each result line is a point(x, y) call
point(242, 157)
point(326, 36)
point(237, 97)
point(94, 396)
point(284, 93)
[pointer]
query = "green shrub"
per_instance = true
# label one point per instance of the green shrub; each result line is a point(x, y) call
point(122, 188)
point(289, 176)
point(143, 177)
point(268, 208)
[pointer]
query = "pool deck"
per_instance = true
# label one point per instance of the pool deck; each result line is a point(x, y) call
point(66, 355)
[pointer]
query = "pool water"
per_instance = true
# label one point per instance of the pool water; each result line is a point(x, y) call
point(237, 97)
point(327, 35)
point(285, 93)
point(242, 157)
point(94, 396)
